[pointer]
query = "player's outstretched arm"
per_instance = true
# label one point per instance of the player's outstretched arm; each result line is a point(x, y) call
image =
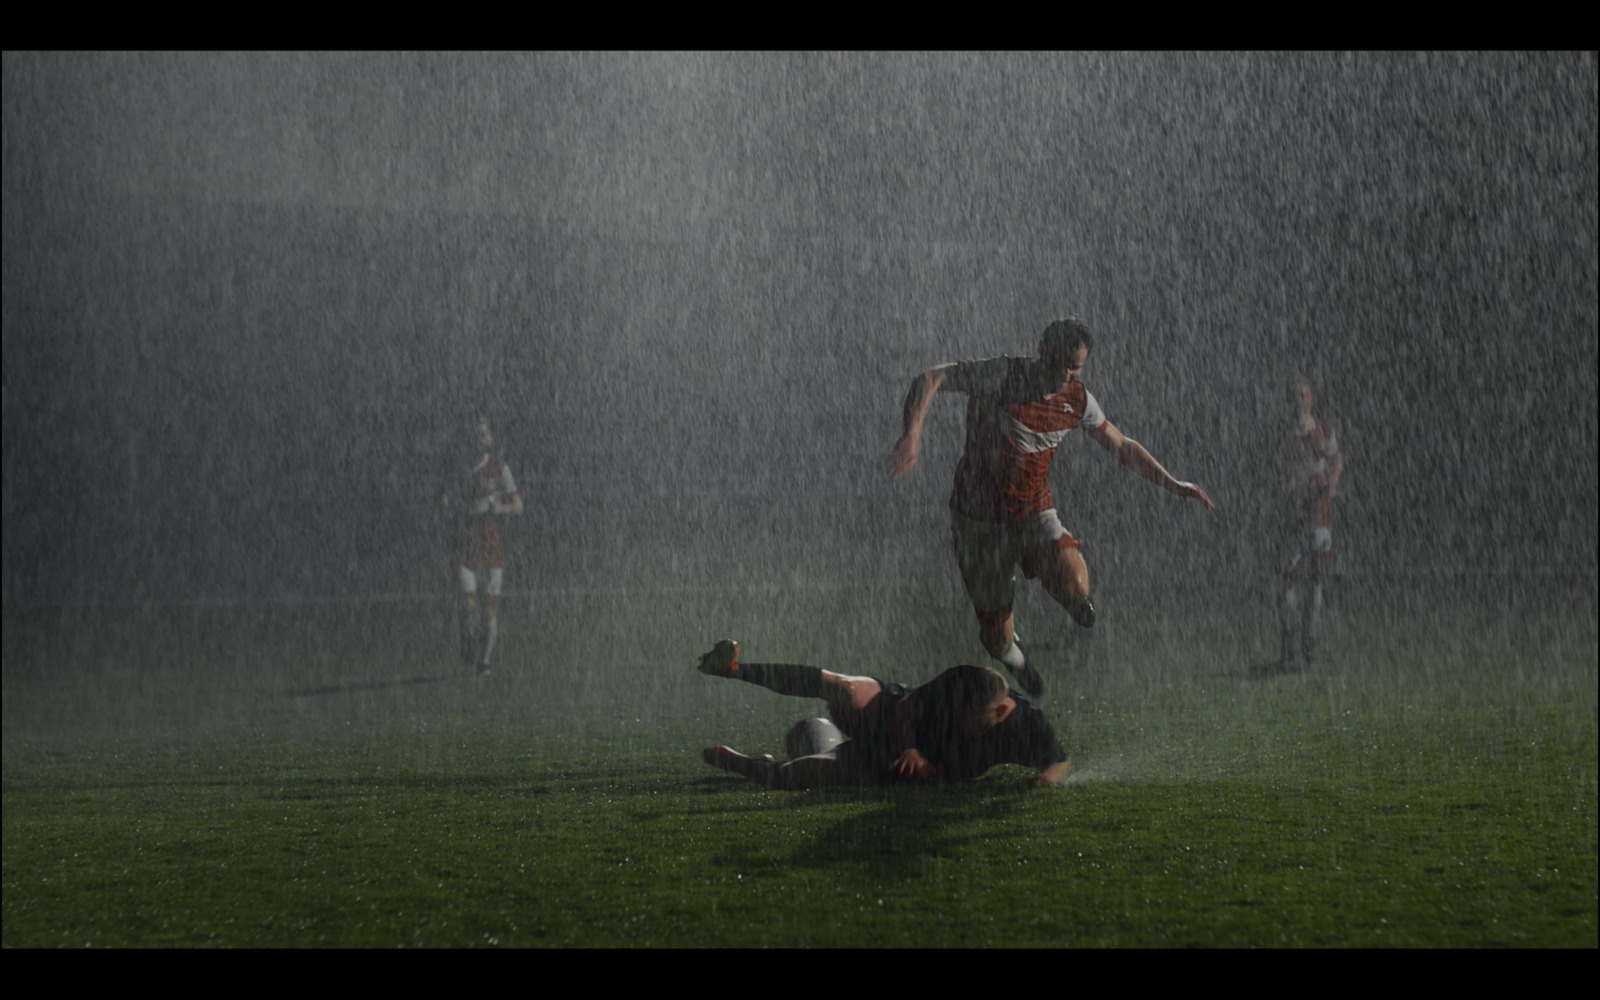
point(915, 410)
point(1131, 453)
point(1053, 775)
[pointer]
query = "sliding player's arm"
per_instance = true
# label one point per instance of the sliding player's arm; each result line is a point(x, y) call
point(1053, 775)
point(1141, 463)
point(1033, 743)
point(910, 762)
point(915, 410)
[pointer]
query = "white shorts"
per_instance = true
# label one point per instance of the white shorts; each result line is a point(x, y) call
point(989, 554)
point(1321, 540)
point(491, 581)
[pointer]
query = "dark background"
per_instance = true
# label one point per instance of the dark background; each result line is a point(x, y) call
point(249, 300)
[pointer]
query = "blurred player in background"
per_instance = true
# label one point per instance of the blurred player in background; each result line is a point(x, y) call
point(1313, 465)
point(951, 729)
point(483, 492)
point(1019, 410)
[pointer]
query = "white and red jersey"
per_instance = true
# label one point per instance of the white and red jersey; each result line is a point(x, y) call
point(478, 545)
point(1310, 453)
point(488, 480)
point(1013, 430)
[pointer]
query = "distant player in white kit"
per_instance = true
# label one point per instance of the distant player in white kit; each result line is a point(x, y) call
point(1019, 410)
point(1313, 465)
point(484, 491)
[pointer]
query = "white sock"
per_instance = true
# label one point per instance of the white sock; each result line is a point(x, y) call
point(491, 629)
point(1012, 657)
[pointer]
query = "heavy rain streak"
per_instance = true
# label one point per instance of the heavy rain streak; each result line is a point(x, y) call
point(254, 305)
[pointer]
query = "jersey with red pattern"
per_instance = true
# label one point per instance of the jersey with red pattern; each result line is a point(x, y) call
point(479, 546)
point(1013, 430)
point(1310, 452)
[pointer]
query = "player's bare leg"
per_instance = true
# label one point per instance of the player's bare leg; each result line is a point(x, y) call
point(845, 694)
point(1288, 603)
point(491, 630)
point(1313, 608)
point(1294, 608)
point(468, 620)
point(1308, 637)
point(997, 632)
point(1066, 579)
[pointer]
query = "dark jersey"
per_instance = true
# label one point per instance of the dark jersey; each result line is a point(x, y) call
point(1026, 738)
point(930, 719)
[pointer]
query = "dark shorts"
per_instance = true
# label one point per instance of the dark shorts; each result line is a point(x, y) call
point(870, 751)
point(873, 721)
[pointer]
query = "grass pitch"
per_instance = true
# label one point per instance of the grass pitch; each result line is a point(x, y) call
point(294, 780)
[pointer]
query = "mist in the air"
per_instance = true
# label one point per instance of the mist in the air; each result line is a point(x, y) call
point(252, 300)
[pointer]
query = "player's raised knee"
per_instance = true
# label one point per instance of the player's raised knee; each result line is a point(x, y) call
point(857, 692)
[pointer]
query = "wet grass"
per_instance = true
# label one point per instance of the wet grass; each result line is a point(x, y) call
point(1432, 785)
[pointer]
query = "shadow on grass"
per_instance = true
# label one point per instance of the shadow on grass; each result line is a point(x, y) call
point(1266, 671)
point(352, 687)
point(910, 826)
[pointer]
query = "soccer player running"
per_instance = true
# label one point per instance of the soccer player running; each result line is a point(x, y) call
point(484, 491)
point(951, 729)
point(1314, 464)
point(1018, 412)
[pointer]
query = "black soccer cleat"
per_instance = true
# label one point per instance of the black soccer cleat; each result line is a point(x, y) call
point(1083, 613)
point(1030, 679)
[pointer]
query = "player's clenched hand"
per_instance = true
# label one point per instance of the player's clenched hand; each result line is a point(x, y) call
point(904, 457)
point(1194, 492)
point(911, 764)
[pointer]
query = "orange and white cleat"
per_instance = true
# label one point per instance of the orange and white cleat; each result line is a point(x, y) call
point(722, 661)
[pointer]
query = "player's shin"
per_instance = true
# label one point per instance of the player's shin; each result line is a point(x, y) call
point(1288, 605)
point(1308, 635)
point(469, 646)
point(491, 631)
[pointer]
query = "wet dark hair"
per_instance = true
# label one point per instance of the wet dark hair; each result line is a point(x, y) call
point(976, 688)
point(1064, 336)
